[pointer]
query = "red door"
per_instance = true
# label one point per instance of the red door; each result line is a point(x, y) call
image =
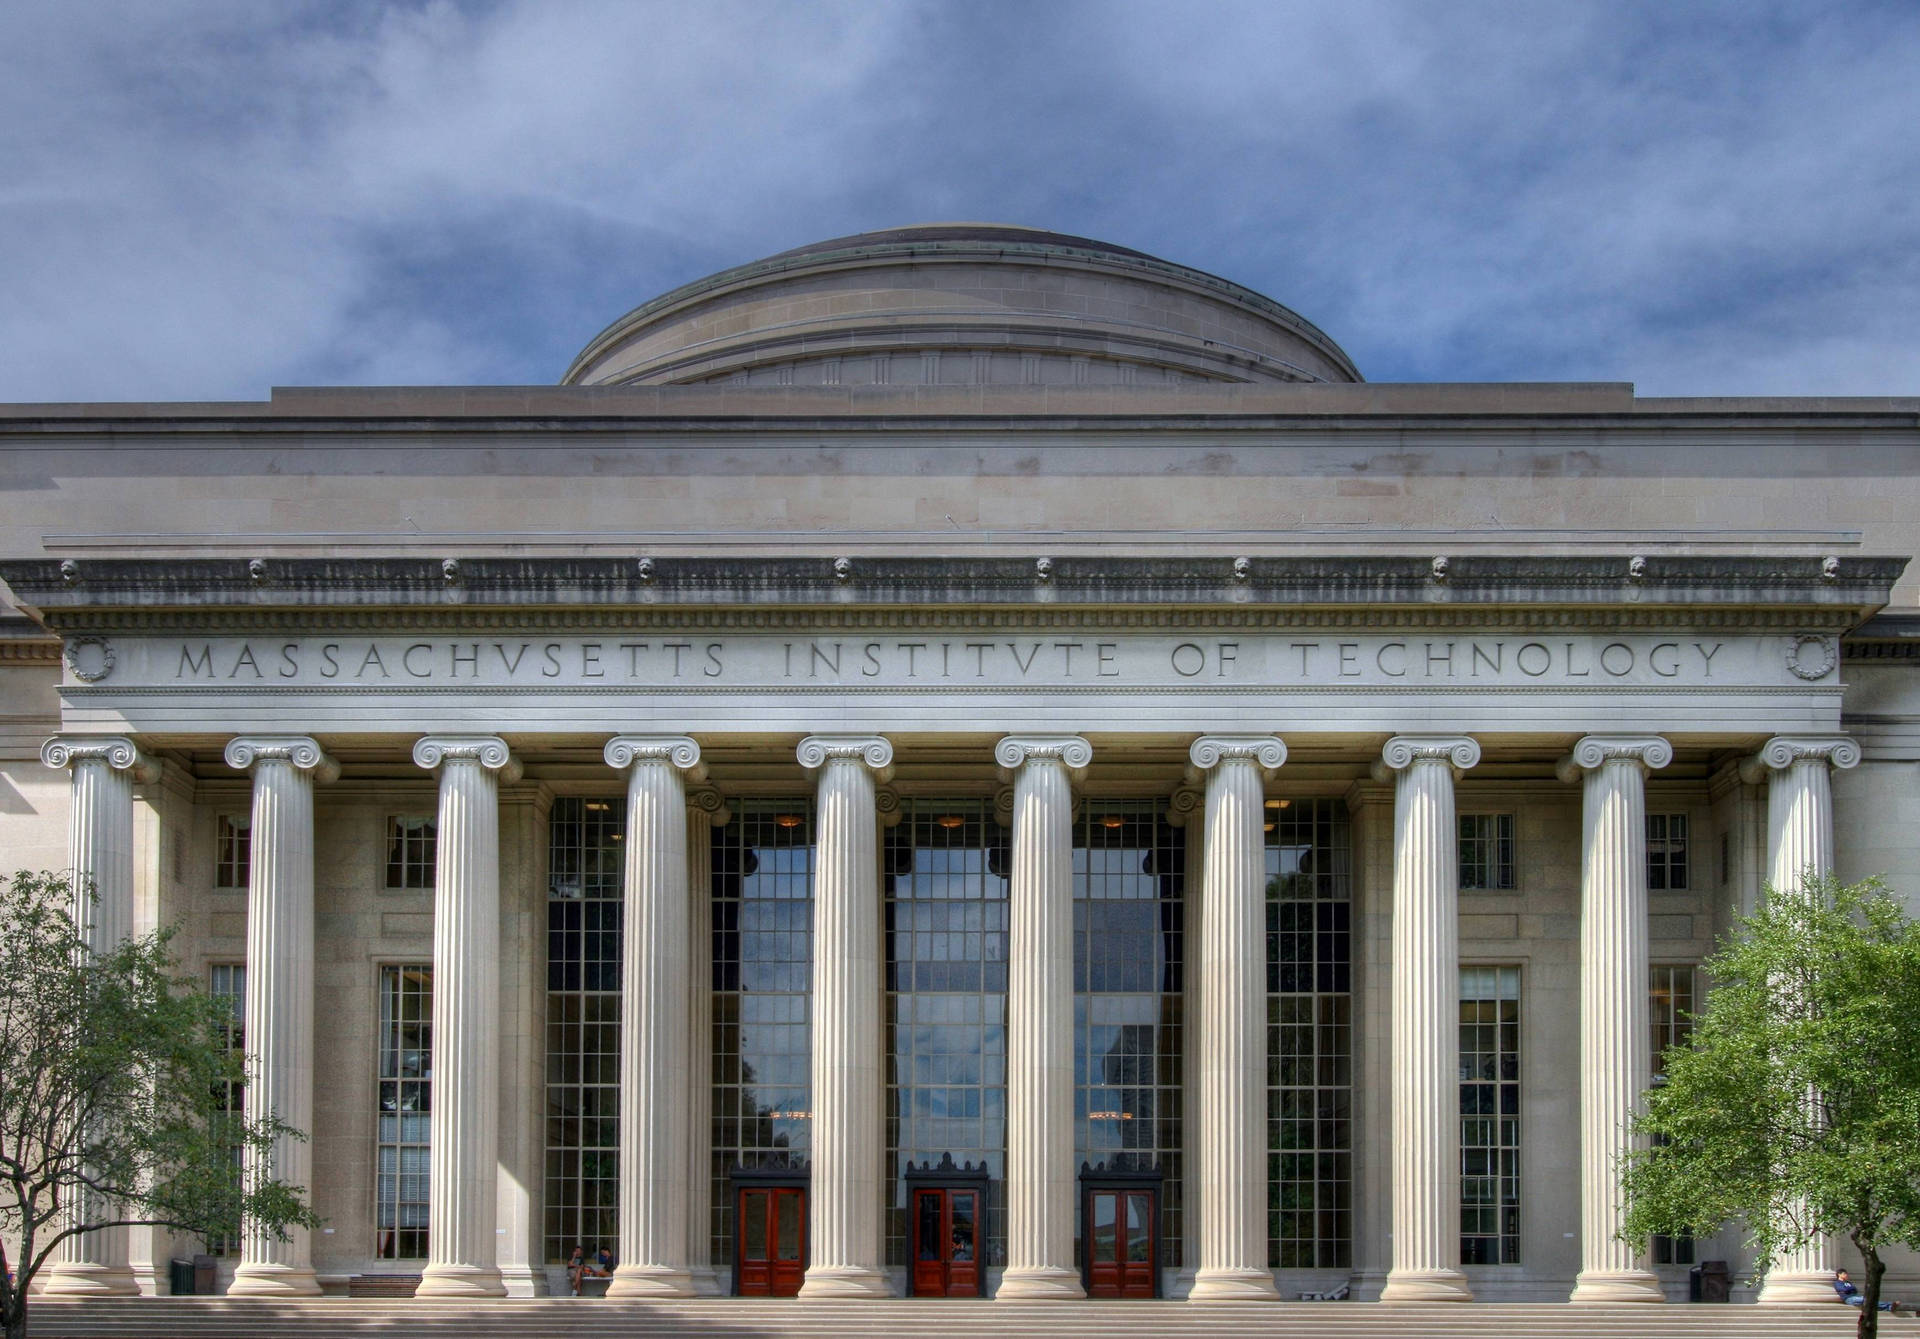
point(770, 1241)
point(1121, 1254)
point(946, 1243)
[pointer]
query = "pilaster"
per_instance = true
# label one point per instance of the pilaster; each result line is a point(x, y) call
point(462, 1252)
point(279, 1003)
point(1425, 1027)
point(848, 1092)
point(1615, 1047)
point(1232, 1064)
point(1040, 1112)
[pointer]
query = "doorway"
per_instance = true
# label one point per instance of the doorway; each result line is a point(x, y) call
point(947, 1231)
point(1120, 1226)
point(770, 1240)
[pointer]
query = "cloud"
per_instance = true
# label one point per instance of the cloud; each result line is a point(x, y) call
point(202, 200)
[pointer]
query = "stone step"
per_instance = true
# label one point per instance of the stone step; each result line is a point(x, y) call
point(567, 1318)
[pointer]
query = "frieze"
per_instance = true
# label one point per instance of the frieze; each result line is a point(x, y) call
point(1113, 658)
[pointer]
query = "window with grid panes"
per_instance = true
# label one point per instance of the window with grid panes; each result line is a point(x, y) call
point(410, 850)
point(1671, 1010)
point(1129, 876)
point(763, 864)
point(227, 983)
point(402, 1154)
point(1309, 1035)
point(1490, 1115)
point(1486, 852)
point(585, 871)
point(1666, 852)
point(946, 926)
point(232, 850)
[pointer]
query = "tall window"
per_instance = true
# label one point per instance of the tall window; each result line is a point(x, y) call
point(406, 1105)
point(227, 983)
point(1486, 852)
point(410, 850)
point(232, 850)
point(1129, 874)
point(762, 982)
point(585, 871)
point(1490, 1115)
point(1671, 1010)
point(1666, 852)
point(1309, 1035)
point(947, 868)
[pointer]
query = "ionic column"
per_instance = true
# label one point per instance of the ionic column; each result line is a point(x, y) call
point(1615, 1049)
point(100, 863)
point(1798, 772)
point(463, 1166)
point(848, 1095)
point(1040, 1172)
point(279, 1003)
point(1232, 1068)
point(1426, 1019)
point(653, 1029)
point(705, 811)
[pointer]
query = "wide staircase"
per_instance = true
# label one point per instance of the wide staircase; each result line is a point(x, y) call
point(563, 1318)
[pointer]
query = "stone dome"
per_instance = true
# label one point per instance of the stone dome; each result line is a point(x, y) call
point(959, 304)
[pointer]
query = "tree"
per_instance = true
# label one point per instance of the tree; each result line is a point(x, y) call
point(1795, 1106)
point(112, 1074)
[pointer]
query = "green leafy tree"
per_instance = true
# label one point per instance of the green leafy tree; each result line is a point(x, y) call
point(112, 1074)
point(1794, 1108)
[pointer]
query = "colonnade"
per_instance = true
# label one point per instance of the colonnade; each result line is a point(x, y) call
point(664, 1193)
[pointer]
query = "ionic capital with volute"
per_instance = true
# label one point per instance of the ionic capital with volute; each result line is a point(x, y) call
point(116, 751)
point(1652, 752)
point(298, 751)
point(874, 752)
point(1209, 751)
point(623, 751)
point(489, 751)
point(1783, 751)
point(1459, 752)
point(1072, 752)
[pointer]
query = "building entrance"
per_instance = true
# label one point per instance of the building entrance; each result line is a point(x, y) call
point(1120, 1218)
point(947, 1224)
point(770, 1248)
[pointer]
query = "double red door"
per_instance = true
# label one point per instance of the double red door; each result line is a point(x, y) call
point(1122, 1250)
point(946, 1243)
point(770, 1245)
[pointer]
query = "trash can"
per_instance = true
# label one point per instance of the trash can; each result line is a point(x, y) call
point(180, 1278)
point(1716, 1281)
point(203, 1276)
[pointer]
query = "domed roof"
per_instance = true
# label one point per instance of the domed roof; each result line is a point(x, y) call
point(959, 304)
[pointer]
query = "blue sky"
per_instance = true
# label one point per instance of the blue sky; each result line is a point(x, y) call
point(206, 200)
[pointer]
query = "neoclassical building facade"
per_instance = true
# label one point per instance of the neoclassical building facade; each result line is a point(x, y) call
point(958, 761)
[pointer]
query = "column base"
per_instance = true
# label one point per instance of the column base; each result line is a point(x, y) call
point(1233, 1285)
point(81, 1278)
point(1426, 1285)
point(460, 1281)
point(1043, 1283)
point(524, 1281)
point(1606, 1287)
point(1797, 1287)
point(267, 1280)
point(707, 1282)
point(844, 1281)
point(649, 1281)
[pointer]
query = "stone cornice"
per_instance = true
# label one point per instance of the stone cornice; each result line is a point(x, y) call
point(1830, 593)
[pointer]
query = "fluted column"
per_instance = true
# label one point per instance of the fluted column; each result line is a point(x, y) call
point(1040, 1172)
point(705, 812)
point(1615, 1047)
point(279, 1003)
point(100, 863)
point(1426, 1019)
point(1232, 1067)
point(1798, 771)
point(848, 1148)
point(653, 1027)
point(463, 1166)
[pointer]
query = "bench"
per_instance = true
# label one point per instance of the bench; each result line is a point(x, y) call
point(1339, 1294)
point(382, 1285)
point(594, 1285)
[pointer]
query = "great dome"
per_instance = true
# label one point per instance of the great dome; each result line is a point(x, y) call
point(959, 304)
